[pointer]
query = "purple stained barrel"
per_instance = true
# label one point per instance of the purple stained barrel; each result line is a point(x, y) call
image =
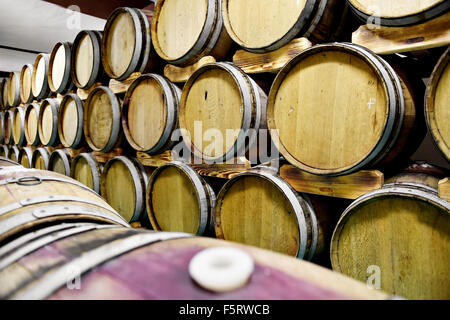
point(123, 263)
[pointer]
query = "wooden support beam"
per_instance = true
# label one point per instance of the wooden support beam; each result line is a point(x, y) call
point(103, 157)
point(119, 87)
point(270, 61)
point(349, 187)
point(388, 40)
point(444, 189)
point(182, 74)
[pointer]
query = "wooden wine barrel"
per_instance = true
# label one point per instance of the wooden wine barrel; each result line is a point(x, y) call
point(5, 162)
point(178, 199)
point(70, 122)
point(60, 162)
point(220, 97)
point(437, 110)
point(26, 74)
point(87, 170)
point(14, 89)
point(404, 230)
point(31, 124)
point(150, 113)
point(48, 122)
point(8, 125)
point(398, 13)
point(14, 153)
point(197, 32)
point(19, 126)
point(319, 125)
point(59, 67)
point(86, 66)
point(123, 185)
point(261, 209)
point(132, 27)
point(275, 23)
point(30, 198)
point(39, 79)
point(40, 159)
point(25, 157)
point(3, 93)
point(2, 130)
point(4, 151)
point(102, 120)
point(98, 250)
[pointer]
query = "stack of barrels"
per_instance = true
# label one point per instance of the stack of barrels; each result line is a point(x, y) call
point(334, 109)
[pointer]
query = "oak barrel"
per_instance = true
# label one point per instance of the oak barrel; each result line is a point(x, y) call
point(102, 120)
point(31, 124)
point(178, 199)
point(8, 125)
point(40, 159)
point(26, 74)
point(70, 122)
point(59, 68)
point(48, 122)
point(220, 98)
point(322, 127)
point(60, 162)
point(403, 229)
point(4, 151)
point(150, 113)
point(14, 89)
point(3, 94)
point(39, 79)
point(25, 157)
point(398, 13)
point(32, 197)
point(14, 153)
point(123, 185)
point(5, 162)
point(132, 261)
point(437, 109)
point(86, 66)
point(126, 44)
point(259, 208)
point(196, 32)
point(87, 170)
point(19, 126)
point(267, 25)
point(2, 131)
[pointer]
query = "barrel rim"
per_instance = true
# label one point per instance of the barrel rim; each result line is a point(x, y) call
point(16, 98)
point(6, 152)
point(79, 137)
point(19, 112)
point(442, 64)
point(2, 133)
point(201, 41)
point(15, 150)
point(2, 85)
point(96, 71)
point(45, 89)
point(94, 167)
point(407, 190)
point(36, 106)
point(43, 153)
point(64, 156)
point(171, 99)
point(246, 91)
point(66, 82)
point(303, 19)
point(116, 119)
point(8, 117)
point(391, 106)
point(203, 198)
point(138, 180)
point(54, 105)
point(290, 194)
point(403, 21)
point(27, 67)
